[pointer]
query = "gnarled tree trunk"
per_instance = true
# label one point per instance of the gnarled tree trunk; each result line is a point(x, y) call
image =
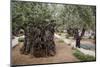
point(39, 40)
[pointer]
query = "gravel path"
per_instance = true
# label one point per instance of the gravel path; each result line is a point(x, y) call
point(67, 41)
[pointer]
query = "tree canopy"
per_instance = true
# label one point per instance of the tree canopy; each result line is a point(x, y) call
point(65, 15)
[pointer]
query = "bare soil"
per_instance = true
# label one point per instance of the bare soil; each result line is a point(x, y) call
point(64, 54)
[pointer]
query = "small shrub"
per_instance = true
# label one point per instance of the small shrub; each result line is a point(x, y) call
point(83, 57)
point(21, 39)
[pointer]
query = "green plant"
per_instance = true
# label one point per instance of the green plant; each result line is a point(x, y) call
point(67, 36)
point(83, 57)
point(21, 40)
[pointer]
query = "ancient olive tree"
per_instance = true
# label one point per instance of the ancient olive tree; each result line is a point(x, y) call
point(36, 21)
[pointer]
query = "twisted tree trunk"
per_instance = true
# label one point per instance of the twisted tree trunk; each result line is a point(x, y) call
point(39, 40)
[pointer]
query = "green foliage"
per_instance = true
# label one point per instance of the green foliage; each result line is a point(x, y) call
point(76, 16)
point(24, 13)
point(21, 40)
point(66, 16)
point(83, 57)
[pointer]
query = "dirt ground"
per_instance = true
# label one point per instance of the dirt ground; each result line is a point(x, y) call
point(64, 54)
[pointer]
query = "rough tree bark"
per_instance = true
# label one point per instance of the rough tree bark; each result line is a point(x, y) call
point(39, 40)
